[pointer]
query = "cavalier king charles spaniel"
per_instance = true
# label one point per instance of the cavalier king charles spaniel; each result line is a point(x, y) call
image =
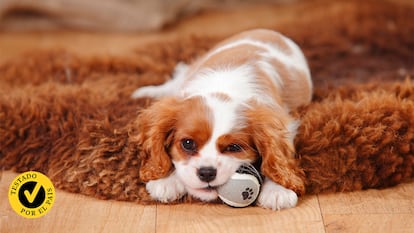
point(229, 107)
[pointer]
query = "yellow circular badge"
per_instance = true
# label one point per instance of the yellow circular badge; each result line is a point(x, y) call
point(31, 194)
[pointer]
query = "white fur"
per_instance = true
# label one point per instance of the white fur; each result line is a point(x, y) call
point(276, 197)
point(224, 80)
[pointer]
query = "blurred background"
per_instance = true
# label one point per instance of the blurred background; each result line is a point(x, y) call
point(108, 15)
point(115, 27)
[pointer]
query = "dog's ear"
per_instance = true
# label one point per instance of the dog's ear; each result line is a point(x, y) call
point(153, 135)
point(273, 131)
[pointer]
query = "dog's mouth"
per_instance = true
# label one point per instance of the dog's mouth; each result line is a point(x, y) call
point(209, 188)
point(205, 193)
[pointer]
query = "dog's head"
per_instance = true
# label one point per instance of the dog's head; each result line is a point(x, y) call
point(205, 140)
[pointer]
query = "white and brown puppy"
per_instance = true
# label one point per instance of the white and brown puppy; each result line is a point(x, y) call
point(231, 106)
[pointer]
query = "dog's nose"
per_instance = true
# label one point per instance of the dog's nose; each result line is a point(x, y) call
point(207, 174)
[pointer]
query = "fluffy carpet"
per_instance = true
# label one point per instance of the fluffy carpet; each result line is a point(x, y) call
point(71, 117)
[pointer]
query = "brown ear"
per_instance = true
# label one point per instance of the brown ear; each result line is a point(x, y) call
point(273, 137)
point(154, 133)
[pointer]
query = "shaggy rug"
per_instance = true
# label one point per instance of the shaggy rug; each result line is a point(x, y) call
point(72, 117)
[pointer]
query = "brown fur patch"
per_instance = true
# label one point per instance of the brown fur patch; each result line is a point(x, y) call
point(231, 57)
point(264, 36)
point(242, 138)
point(193, 112)
point(222, 96)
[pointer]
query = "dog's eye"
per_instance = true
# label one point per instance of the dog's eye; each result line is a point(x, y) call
point(189, 145)
point(233, 148)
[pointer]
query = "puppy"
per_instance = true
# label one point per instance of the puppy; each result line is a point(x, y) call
point(231, 106)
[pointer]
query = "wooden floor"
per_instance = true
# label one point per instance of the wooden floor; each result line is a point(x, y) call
point(390, 210)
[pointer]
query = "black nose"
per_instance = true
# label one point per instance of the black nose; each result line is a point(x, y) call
point(207, 174)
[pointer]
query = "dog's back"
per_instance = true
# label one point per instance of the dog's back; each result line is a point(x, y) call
point(257, 61)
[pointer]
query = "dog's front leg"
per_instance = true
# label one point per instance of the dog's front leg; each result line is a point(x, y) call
point(276, 197)
point(166, 189)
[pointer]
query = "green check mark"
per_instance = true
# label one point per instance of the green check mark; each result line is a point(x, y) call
point(31, 196)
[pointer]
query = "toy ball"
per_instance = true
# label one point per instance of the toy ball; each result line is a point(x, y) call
point(243, 187)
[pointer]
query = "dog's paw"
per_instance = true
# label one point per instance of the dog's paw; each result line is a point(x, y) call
point(180, 70)
point(148, 91)
point(276, 197)
point(168, 88)
point(166, 190)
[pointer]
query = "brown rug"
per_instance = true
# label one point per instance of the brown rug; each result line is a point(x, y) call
point(71, 117)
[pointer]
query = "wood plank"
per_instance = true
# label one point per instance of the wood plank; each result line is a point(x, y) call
point(388, 210)
point(221, 218)
point(396, 200)
point(77, 213)
point(369, 223)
